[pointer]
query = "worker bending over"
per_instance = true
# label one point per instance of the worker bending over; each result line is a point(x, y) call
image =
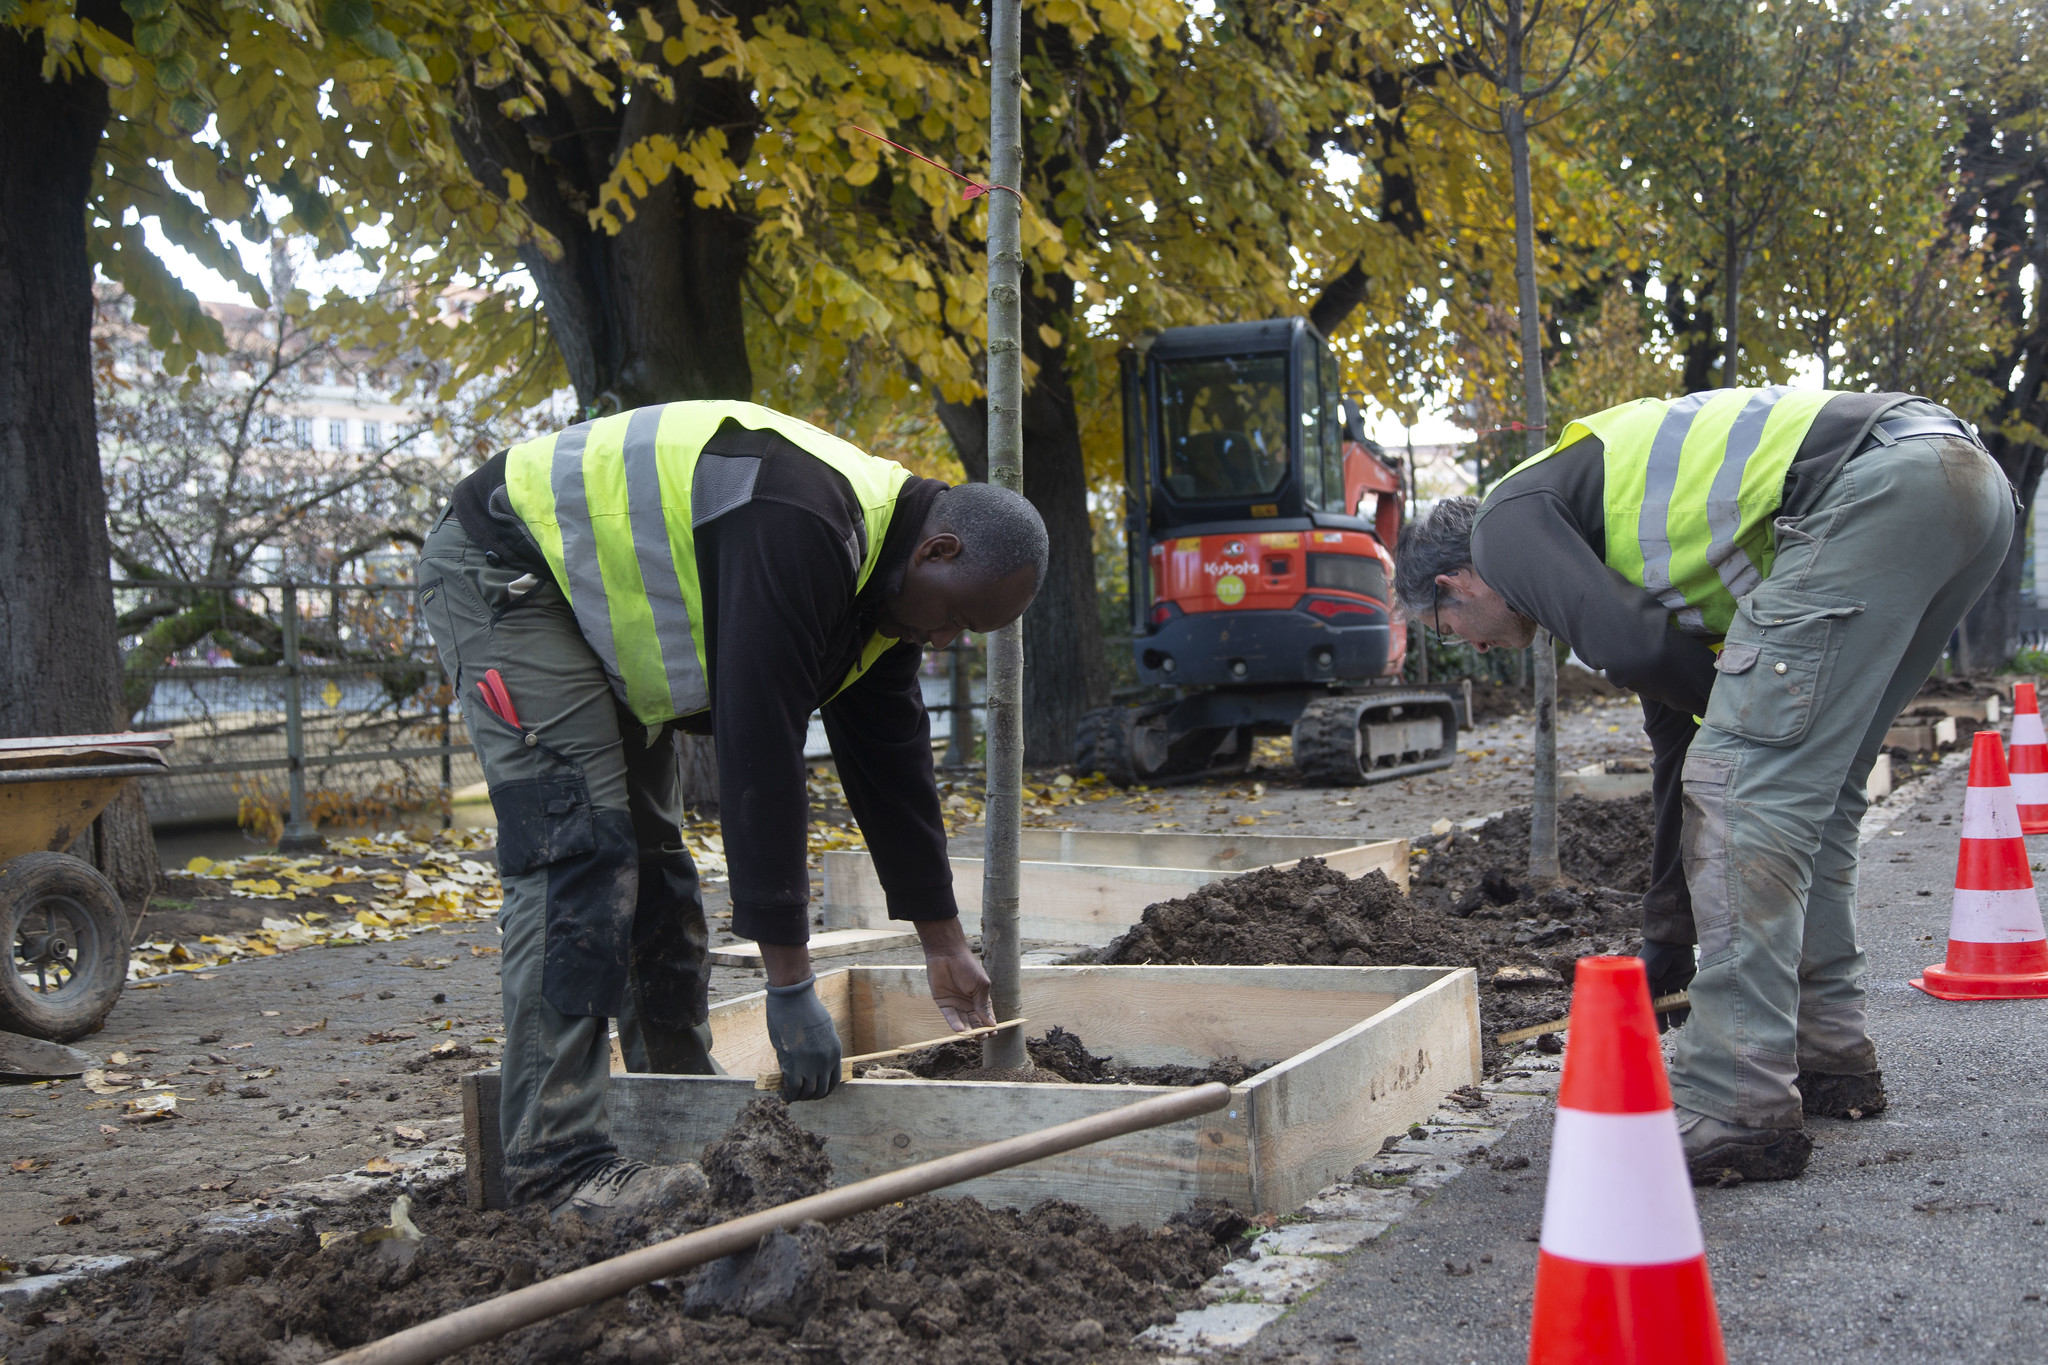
point(1787, 564)
point(713, 568)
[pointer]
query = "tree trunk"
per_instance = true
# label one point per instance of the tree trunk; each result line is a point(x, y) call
point(1536, 419)
point(1731, 299)
point(653, 313)
point(1066, 668)
point(59, 669)
point(1003, 805)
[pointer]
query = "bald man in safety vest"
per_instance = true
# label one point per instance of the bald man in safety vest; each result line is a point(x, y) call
point(712, 568)
point(1786, 565)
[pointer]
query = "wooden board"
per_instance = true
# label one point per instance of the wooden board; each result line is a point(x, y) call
point(1986, 709)
point(1365, 1051)
point(833, 943)
point(1067, 901)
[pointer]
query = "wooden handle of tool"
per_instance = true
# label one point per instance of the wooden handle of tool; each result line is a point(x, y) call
point(1661, 1004)
point(772, 1080)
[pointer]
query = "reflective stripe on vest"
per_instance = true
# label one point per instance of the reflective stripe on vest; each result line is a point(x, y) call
point(609, 502)
point(1691, 486)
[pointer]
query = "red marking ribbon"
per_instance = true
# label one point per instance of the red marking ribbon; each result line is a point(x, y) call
point(975, 189)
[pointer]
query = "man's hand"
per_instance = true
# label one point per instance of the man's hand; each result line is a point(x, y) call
point(1670, 968)
point(806, 1044)
point(959, 985)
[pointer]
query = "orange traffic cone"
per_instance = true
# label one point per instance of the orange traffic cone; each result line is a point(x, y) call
point(1621, 1275)
point(1996, 950)
point(2029, 760)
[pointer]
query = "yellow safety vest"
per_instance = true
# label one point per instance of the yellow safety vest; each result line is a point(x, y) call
point(615, 504)
point(1691, 486)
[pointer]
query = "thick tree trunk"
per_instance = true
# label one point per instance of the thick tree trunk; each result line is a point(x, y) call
point(1066, 670)
point(59, 669)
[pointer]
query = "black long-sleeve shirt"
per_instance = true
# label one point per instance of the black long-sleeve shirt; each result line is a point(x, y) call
point(783, 627)
point(1540, 541)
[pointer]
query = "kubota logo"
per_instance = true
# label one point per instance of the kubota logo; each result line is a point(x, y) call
point(1217, 570)
point(1235, 547)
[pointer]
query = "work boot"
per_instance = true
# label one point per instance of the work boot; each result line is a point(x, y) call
point(633, 1189)
point(1719, 1153)
point(1828, 1095)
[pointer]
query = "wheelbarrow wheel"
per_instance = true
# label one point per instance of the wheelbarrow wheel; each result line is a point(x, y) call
point(68, 937)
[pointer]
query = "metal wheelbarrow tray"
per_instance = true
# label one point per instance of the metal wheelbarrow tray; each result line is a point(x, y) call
point(64, 924)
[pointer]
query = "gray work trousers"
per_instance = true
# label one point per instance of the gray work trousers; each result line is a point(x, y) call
point(602, 915)
point(1866, 589)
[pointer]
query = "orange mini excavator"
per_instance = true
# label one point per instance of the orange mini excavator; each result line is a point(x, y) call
point(1260, 523)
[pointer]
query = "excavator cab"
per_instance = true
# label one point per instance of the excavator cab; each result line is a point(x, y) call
point(1260, 524)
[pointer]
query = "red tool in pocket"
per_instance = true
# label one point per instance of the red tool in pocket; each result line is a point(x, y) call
point(492, 689)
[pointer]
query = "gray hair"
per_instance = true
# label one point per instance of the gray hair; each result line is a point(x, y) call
point(1439, 543)
point(1000, 531)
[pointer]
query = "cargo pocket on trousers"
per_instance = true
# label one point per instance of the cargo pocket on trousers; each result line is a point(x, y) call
point(1703, 849)
point(1775, 663)
point(432, 602)
point(542, 820)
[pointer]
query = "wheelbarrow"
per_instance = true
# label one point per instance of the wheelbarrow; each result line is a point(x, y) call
point(66, 928)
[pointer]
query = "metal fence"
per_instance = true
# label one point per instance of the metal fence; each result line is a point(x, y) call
point(293, 703)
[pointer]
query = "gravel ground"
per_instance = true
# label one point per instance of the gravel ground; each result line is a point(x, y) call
point(79, 1179)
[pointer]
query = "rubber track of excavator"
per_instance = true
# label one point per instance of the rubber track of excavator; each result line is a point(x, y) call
point(1326, 738)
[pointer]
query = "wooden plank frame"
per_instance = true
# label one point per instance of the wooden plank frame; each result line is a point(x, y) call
point(1088, 886)
point(1361, 1053)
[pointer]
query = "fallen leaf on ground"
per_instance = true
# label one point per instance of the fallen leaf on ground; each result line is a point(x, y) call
point(21, 1113)
point(29, 1163)
point(221, 1185)
point(406, 1134)
point(380, 1165)
point(118, 1059)
point(97, 1082)
point(388, 1036)
point(479, 950)
point(263, 1074)
point(270, 1014)
point(108, 1128)
point(301, 1030)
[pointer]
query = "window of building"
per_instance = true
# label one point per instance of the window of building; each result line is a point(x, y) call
point(373, 435)
point(302, 432)
point(337, 434)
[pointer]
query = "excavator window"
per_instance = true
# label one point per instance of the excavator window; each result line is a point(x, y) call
point(1225, 426)
point(1335, 495)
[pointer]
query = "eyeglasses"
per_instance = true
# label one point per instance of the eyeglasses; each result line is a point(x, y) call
point(1437, 612)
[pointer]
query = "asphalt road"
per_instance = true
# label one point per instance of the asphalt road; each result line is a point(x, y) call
point(1918, 1236)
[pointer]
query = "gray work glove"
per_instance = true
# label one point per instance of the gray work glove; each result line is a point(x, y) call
point(1670, 967)
point(806, 1044)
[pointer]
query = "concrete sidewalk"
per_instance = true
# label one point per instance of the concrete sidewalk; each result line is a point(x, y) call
point(1919, 1236)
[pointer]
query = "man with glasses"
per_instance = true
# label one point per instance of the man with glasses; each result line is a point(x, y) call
point(1786, 566)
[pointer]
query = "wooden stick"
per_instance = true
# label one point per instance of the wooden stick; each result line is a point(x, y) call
point(493, 1318)
point(1660, 1005)
point(772, 1080)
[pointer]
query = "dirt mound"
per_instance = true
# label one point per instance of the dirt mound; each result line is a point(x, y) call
point(1575, 688)
point(1599, 844)
point(928, 1280)
point(1062, 1056)
point(1956, 688)
point(1469, 906)
point(765, 1159)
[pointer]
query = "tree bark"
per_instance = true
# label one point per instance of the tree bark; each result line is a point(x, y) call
point(59, 669)
point(653, 313)
point(1066, 667)
point(1003, 805)
point(1543, 869)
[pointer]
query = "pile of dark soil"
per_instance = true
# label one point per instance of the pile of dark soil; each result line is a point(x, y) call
point(1066, 1058)
point(1469, 906)
point(929, 1280)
